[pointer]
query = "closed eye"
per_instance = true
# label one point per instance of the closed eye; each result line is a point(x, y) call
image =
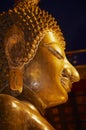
point(55, 52)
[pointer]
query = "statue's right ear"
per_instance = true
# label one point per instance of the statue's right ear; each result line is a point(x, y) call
point(15, 49)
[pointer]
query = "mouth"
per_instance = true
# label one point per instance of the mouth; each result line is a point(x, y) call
point(66, 83)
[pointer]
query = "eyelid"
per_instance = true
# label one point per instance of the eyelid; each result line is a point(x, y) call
point(56, 53)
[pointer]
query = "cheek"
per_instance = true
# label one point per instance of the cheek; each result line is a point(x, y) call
point(33, 83)
point(32, 76)
point(51, 64)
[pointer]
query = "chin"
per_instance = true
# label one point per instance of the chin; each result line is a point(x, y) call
point(58, 101)
point(64, 98)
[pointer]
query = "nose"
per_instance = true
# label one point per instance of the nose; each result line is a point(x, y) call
point(70, 72)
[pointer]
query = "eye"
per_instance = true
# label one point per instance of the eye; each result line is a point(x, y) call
point(55, 52)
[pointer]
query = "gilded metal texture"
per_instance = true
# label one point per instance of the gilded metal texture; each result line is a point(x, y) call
point(20, 115)
point(53, 75)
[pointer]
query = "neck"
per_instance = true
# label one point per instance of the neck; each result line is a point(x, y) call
point(30, 96)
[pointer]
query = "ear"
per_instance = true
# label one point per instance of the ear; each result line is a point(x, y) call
point(15, 46)
point(14, 49)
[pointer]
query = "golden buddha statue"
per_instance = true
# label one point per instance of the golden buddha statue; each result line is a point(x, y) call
point(34, 71)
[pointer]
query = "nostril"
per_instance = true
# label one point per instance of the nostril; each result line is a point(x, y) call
point(66, 73)
point(71, 73)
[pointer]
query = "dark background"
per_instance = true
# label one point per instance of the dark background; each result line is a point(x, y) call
point(70, 15)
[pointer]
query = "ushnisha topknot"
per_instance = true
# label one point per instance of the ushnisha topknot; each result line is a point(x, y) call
point(30, 1)
point(33, 24)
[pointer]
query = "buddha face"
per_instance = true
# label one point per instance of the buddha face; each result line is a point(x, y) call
point(49, 74)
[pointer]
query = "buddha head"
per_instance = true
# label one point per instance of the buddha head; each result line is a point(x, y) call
point(33, 54)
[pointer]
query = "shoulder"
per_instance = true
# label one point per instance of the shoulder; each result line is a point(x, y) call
point(20, 115)
point(6, 98)
point(13, 114)
point(9, 103)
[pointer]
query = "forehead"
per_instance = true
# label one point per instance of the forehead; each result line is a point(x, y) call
point(56, 38)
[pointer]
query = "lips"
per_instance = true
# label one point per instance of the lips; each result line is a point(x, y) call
point(66, 83)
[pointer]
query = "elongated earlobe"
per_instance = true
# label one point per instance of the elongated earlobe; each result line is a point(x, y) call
point(16, 81)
